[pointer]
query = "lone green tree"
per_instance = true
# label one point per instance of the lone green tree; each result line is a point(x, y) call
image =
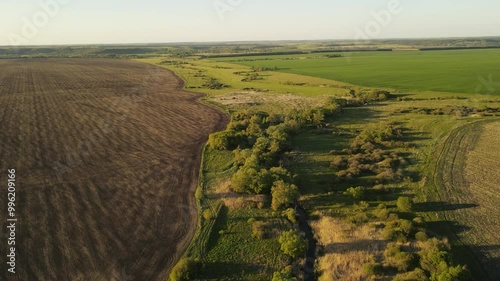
point(292, 243)
point(283, 194)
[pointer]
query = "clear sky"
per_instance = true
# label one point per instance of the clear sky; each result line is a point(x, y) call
point(145, 21)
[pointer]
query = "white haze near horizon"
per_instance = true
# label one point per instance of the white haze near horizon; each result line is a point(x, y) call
point(48, 22)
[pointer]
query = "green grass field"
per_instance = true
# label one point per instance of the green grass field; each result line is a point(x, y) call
point(458, 71)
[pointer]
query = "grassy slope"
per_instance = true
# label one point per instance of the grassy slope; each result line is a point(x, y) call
point(456, 71)
point(311, 156)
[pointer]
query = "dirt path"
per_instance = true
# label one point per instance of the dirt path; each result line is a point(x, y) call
point(107, 154)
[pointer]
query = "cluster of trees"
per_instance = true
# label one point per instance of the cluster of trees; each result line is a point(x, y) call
point(370, 95)
point(214, 84)
point(432, 262)
point(368, 155)
point(427, 258)
point(259, 141)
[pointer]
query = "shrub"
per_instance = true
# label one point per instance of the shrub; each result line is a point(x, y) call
point(199, 193)
point(291, 215)
point(207, 214)
point(416, 275)
point(421, 236)
point(457, 273)
point(404, 204)
point(359, 217)
point(339, 163)
point(283, 194)
point(251, 220)
point(292, 243)
point(185, 270)
point(355, 192)
point(259, 230)
point(373, 269)
point(381, 214)
point(406, 226)
point(219, 141)
point(285, 275)
point(403, 261)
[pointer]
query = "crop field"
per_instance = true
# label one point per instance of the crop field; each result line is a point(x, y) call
point(467, 180)
point(458, 71)
point(106, 154)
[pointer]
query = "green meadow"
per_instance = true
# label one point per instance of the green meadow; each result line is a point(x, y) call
point(456, 71)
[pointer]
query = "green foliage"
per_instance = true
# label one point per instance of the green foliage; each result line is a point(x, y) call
point(404, 204)
point(292, 243)
point(259, 230)
point(421, 236)
point(284, 275)
point(185, 270)
point(291, 215)
point(416, 275)
point(457, 273)
point(283, 194)
point(373, 269)
point(207, 214)
point(356, 192)
point(249, 179)
point(398, 259)
point(214, 84)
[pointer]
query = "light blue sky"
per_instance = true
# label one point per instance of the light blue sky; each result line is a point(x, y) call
point(140, 21)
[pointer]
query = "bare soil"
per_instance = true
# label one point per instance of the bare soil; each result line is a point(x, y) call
point(107, 154)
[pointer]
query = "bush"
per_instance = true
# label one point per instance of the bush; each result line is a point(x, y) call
point(292, 243)
point(381, 212)
point(421, 236)
point(406, 226)
point(207, 214)
point(404, 204)
point(355, 192)
point(259, 230)
point(403, 261)
point(457, 273)
point(283, 194)
point(339, 163)
point(291, 215)
point(251, 220)
point(416, 275)
point(185, 270)
point(285, 275)
point(373, 269)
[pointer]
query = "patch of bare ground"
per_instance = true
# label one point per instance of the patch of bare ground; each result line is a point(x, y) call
point(252, 98)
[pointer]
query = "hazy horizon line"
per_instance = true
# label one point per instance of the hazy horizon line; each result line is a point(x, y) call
point(247, 41)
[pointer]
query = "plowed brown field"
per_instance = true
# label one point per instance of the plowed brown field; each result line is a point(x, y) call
point(107, 155)
point(468, 175)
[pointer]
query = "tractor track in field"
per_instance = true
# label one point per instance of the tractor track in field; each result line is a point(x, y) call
point(471, 214)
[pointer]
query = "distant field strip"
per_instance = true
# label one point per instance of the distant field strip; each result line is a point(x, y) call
point(467, 177)
point(457, 71)
point(107, 155)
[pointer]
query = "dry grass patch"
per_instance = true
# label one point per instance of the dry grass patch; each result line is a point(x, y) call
point(347, 248)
